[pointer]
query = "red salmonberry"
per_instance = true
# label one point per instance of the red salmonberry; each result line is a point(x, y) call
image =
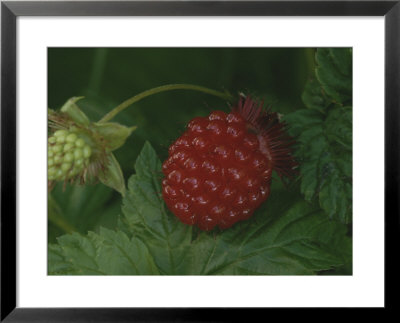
point(219, 171)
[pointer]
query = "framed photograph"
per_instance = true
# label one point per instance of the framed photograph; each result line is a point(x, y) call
point(195, 160)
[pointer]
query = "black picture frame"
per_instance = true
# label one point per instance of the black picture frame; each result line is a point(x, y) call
point(9, 13)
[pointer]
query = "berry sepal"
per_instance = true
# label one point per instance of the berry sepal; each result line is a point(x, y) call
point(80, 150)
point(72, 110)
point(113, 176)
point(113, 133)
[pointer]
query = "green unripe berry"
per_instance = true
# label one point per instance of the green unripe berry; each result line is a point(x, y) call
point(78, 153)
point(71, 138)
point(78, 163)
point(51, 172)
point(57, 149)
point(80, 143)
point(69, 157)
point(59, 133)
point(87, 151)
point(58, 159)
point(60, 139)
point(66, 167)
point(68, 147)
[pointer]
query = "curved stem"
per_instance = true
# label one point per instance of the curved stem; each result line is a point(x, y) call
point(163, 88)
point(55, 216)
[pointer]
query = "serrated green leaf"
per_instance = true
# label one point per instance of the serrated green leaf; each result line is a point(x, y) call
point(344, 164)
point(326, 166)
point(314, 97)
point(309, 181)
point(334, 73)
point(167, 239)
point(324, 138)
point(119, 255)
point(334, 198)
point(301, 119)
point(57, 264)
point(285, 245)
point(339, 126)
point(276, 241)
point(314, 136)
point(280, 239)
point(80, 253)
point(342, 57)
point(107, 253)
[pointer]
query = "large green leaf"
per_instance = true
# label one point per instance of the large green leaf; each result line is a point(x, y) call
point(106, 253)
point(286, 236)
point(104, 76)
point(283, 237)
point(287, 245)
point(314, 96)
point(145, 212)
point(324, 134)
point(334, 72)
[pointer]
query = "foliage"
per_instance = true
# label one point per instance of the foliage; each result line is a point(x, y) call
point(324, 133)
point(302, 229)
point(282, 239)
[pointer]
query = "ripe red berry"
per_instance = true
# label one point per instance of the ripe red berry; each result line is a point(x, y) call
point(219, 171)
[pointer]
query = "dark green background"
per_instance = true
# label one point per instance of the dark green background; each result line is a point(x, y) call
point(108, 76)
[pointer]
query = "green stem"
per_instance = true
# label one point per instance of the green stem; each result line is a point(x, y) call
point(61, 223)
point(163, 88)
point(55, 217)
